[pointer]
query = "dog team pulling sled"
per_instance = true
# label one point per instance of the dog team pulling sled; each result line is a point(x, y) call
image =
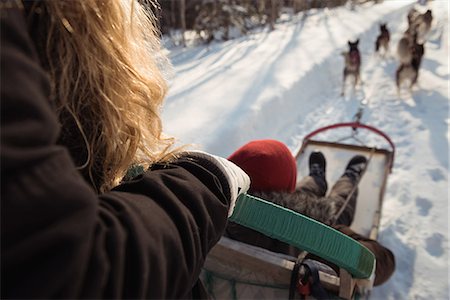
point(236, 270)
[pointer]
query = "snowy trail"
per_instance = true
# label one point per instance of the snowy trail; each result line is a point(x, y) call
point(286, 83)
point(267, 74)
point(418, 187)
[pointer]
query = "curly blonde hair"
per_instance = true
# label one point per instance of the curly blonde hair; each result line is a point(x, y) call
point(104, 60)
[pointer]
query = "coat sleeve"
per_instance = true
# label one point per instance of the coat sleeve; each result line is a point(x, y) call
point(147, 238)
point(385, 265)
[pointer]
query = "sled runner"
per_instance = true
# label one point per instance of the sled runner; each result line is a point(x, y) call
point(235, 270)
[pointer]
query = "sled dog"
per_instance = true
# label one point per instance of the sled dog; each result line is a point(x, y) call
point(412, 16)
point(420, 23)
point(383, 39)
point(409, 72)
point(423, 25)
point(405, 44)
point(352, 65)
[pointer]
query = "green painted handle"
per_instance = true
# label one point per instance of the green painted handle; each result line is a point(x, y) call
point(304, 233)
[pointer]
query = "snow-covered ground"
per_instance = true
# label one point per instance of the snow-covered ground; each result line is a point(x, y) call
point(286, 83)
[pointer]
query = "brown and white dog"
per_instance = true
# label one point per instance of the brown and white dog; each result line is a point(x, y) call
point(383, 39)
point(352, 65)
point(420, 23)
point(412, 16)
point(423, 23)
point(409, 71)
point(405, 44)
point(427, 18)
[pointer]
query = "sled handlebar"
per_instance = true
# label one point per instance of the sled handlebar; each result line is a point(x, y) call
point(355, 125)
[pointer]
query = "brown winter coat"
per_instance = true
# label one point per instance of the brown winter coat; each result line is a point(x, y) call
point(148, 238)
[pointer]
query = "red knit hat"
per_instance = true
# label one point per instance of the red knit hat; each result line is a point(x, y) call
point(269, 163)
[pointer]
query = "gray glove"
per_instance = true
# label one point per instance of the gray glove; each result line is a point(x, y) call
point(238, 180)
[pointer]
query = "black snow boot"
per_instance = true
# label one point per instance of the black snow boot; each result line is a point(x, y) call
point(355, 167)
point(317, 164)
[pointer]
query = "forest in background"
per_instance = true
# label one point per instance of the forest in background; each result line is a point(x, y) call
point(208, 20)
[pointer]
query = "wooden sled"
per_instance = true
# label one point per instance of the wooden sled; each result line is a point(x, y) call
point(235, 270)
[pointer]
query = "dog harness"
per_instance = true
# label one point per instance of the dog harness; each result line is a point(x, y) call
point(354, 57)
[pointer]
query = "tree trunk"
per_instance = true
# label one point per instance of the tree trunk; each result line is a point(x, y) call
point(173, 20)
point(183, 20)
point(260, 7)
point(273, 14)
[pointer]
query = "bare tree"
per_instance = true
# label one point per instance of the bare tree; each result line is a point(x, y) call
point(273, 13)
point(183, 21)
point(173, 20)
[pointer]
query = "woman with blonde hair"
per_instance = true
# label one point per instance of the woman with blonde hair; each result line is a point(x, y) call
point(81, 92)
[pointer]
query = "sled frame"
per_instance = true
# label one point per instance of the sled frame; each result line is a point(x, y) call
point(243, 259)
point(381, 153)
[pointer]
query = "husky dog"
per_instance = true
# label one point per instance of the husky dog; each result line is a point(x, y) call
point(405, 44)
point(410, 71)
point(352, 64)
point(423, 25)
point(412, 16)
point(383, 39)
point(427, 18)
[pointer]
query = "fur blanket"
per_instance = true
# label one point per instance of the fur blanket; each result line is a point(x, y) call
point(321, 209)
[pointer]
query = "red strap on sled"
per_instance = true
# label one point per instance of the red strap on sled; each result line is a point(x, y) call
point(304, 289)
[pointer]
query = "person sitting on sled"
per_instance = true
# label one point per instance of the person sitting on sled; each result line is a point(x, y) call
point(273, 173)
